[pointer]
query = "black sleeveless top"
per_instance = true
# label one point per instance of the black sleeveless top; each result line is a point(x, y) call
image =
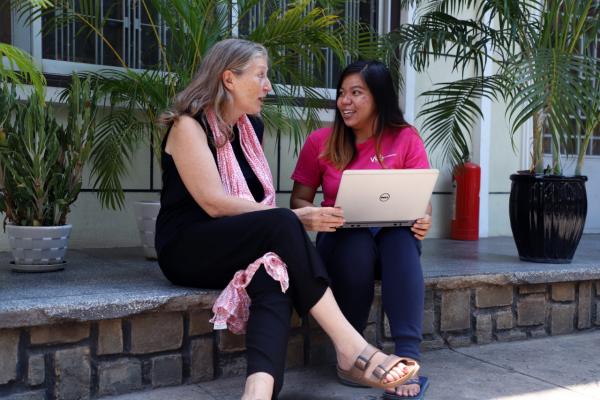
point(178, 209)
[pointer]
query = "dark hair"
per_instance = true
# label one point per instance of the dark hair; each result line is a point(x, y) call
point(340, 146)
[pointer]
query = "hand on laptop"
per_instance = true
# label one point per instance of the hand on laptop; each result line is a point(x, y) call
point(421, 227)
point(320, 219)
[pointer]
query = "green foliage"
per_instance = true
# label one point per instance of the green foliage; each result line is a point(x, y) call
point(295, 38)
point(41, 161)
point(544, 68)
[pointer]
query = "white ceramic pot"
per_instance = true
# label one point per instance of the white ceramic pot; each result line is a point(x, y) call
point(38, 248)
point(145, 214)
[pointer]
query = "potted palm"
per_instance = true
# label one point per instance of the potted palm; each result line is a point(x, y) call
point(546, 72)
point(182, 30)
point(41, 163)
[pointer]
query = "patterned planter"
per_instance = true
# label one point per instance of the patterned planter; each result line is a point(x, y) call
point(547, 216)
point(38, 248)
point(145, 214)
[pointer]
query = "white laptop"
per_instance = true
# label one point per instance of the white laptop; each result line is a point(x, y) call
point(385, 197)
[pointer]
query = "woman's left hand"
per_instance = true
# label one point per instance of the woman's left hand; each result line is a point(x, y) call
point(421, 227)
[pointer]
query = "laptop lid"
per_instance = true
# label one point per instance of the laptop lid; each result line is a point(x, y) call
point(385, 197)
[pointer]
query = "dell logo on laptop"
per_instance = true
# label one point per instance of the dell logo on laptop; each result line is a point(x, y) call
point(384, 197)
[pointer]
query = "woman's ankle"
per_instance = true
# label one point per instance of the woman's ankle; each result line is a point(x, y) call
point(259, 386)
point(347, 353)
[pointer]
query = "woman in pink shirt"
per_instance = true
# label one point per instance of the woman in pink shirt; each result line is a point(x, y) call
point(369, 132)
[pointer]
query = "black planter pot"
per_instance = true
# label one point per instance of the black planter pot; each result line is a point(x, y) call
point(547, 216)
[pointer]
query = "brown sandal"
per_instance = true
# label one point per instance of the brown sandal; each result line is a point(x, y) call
point(357, 374)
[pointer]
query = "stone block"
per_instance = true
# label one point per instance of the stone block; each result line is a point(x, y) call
point(386, 330)
point(232, 364)
point(296, 320)
point(432, 344)
point(529, 289)
point(201, 360)
point(456, 310)
point(229, 342)
point(562, 319)
point(199, 324)
point(538, 332)
point(63, 333)
point(9, 352)
point(34, 395)
point(428, 322)
point(429, 299)
point(509, 336)
point(167, 370)
point(119, 376)
point(459, 341)
point(370, 333)
point(72, 374)
point(387, 346)
point(483, 328)
point(584, 306)
point(321, 349)
point(504, 320)
point(110, 337)
point(151, 333)
point(295, 352)
point(375, 311)
point(36, 370)
point(564, 291)
point(493, 296)
point(531, 310)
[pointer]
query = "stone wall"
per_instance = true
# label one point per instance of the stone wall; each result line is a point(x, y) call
point(83, 360)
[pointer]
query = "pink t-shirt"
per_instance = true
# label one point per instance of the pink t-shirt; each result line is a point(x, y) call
point(400, 149)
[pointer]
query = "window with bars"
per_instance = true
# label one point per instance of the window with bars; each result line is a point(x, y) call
point(115, 33)
point(576, 138)
point(5, 24)
point(364, 11)
point(120, 32)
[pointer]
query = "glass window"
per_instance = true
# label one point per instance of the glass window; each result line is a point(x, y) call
point(363, 11)
point(128, 34)
point(5, 23)
point(571, 146)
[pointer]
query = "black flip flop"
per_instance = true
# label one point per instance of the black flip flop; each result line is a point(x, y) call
point(423, 382)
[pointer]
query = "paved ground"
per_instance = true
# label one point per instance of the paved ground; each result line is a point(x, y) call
point(553, 368)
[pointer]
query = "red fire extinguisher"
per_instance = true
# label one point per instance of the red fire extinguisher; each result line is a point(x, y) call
point(465, 218)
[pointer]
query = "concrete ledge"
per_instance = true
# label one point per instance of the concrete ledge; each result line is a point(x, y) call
point(102, 284)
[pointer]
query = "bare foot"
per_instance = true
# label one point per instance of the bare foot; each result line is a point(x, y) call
point(411, 388)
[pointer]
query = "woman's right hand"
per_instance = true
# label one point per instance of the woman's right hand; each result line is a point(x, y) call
point(320, 219)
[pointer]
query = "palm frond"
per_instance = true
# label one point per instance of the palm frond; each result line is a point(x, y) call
point(21, 68)
point(452, 109)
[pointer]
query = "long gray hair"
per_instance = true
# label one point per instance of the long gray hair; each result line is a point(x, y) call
point(207, 90)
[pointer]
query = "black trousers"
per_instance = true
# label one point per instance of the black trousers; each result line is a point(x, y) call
point(207, 255)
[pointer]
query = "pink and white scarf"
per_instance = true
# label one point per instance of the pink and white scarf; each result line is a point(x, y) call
point(231, 309)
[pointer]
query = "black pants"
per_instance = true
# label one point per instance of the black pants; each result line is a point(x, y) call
point(208, 255)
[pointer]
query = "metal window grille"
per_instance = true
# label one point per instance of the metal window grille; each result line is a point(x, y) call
point(128, 30)
point(576, 138)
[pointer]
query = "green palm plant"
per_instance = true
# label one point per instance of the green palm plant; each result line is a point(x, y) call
point(41, 161)
point(295, 37)
point(544, 66)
